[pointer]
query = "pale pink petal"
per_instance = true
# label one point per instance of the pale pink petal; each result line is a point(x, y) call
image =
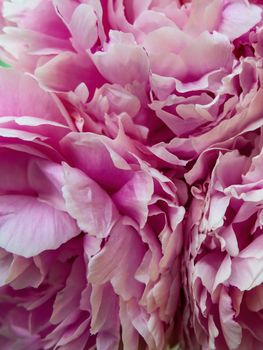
point(134, 197)
point(29, 226)
point(232, 331)
point(252, 273)
point(238, 18)
point(123, 61)
point(22, 97)
point(83, 27)
point(117, 262)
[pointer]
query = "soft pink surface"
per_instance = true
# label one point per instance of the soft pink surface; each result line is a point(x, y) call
point(131, 174)
point(223, 257)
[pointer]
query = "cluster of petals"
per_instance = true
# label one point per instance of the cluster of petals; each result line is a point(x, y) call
point(223, 256)
point(90, 234)
point(130, 174)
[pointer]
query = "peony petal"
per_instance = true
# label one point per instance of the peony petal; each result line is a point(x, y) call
point(232, 331)
point(254, 299)
point(123, 62)
point(223, 273)
point(29, 226)
point(88, 203)
point(22, 97)
point(238, 18)
point(206, 269)
point(254, 249)
point(83, 27)
point(134, 197)
point(252, 273)
point(117, 263)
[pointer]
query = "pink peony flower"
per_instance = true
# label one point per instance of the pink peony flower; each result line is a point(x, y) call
point(223, 257)
point(117, 118)
point(90, 234)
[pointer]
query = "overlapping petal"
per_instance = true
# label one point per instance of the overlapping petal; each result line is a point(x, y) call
point(223, 260)
point(130, 174)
